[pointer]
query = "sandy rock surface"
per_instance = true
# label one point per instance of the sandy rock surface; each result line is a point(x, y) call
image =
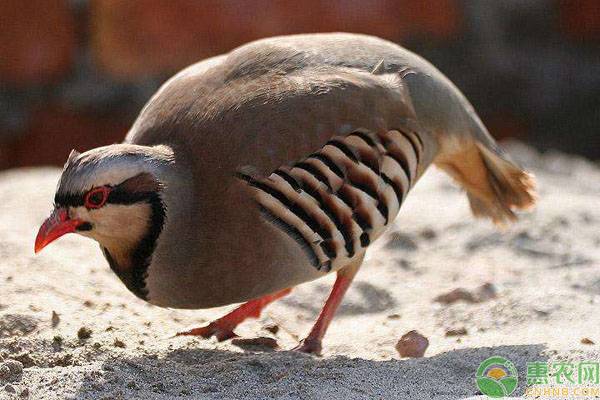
point(70, 329)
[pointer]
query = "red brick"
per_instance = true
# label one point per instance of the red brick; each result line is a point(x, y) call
point(580, 20)
point(155, 36)
point(55, 131)
point(161, 36)
point(37, 41)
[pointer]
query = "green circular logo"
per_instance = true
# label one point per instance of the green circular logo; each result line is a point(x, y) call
point(497, 377)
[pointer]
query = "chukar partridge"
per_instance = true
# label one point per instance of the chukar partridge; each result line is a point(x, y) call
point(252, 172)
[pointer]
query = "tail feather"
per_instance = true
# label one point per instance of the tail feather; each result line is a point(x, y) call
point(495, 186)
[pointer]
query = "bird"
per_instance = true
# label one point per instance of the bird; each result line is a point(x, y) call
point(278, 163)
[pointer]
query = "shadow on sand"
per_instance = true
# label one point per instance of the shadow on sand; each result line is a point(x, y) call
point(218, 374)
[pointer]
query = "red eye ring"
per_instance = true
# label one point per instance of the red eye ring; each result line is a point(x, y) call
point(97, 197)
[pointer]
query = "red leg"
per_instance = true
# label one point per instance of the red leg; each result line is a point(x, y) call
point(312, 343)
point(223, 327)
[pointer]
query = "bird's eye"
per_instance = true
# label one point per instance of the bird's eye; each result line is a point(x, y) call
point(96, 197)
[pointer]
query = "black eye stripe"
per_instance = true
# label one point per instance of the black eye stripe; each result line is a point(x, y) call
point(86, 226)
point(123, 197)
point(116, 196)
point(68, 200)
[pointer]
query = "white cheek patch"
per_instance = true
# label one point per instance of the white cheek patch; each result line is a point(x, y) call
point(116, 224)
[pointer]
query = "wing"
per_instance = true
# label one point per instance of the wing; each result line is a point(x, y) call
point(341, 198)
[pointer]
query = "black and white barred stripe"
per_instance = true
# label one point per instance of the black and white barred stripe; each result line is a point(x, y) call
point(337, 201)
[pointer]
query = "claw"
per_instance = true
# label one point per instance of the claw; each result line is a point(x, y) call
point(209, 330)
point(310, 347)
point(223, 327)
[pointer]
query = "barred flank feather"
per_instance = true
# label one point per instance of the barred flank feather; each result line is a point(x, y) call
point(340, 199)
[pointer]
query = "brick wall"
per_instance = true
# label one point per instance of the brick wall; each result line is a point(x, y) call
point(75, 73)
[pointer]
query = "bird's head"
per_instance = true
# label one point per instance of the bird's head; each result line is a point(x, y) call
point(111, 194)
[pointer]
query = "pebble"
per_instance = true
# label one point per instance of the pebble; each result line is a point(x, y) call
point(55, 320)
point(273, 328)
point(428, 234)
point(485, 292)
point(412, 344)
point(261, 341)
point(84, 333)
point(10, 369)
point(17, 325)
point(455, 295)
point(401, 241)
point(587, 340)
point(457, 332)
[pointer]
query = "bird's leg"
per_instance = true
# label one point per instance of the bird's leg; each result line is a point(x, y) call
point(312, 343)
point(223, 327)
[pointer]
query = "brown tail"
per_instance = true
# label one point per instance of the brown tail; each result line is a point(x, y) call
point(495, 186)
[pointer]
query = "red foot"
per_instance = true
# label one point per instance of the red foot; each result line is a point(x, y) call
point(223, 327)
point(209, 330)
point(310, 346)
point(312, 343)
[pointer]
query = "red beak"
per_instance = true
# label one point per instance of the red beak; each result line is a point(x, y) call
point(57, 225)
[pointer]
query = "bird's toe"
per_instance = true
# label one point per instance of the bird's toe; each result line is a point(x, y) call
point(309, 346)
point(208, 331)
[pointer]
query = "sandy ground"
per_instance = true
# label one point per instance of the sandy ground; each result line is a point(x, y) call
point(544, 270)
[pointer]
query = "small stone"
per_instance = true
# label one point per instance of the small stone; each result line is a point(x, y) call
point(457, 332)
point(10, 388)
point(84, 333)
point(405, 264)
point(273, 328)
point(487, 291)
point(119, 343)
point(456, 295)
point(587, 340)
point(88, 304)
point(541, 312)
point(253, 342)
point(24, 393)
point(10, 369)
point(401, 241)
point(412, 344)
point(55, 319)
point(394, 316)
point(428, 234)
point(17, 325)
